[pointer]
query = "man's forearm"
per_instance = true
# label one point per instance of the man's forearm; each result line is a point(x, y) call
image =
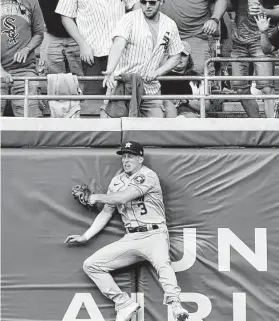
point(35, 41)
point(219, 9)
point(111, 199)
point(72, 29)
point(265, 43)
point(99, 223)
point(115, 53)
point(168, 65)
point(273, 13)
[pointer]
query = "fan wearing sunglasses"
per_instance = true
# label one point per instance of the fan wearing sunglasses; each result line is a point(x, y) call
point(141, 41)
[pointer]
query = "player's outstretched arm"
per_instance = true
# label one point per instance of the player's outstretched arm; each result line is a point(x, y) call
point(75, 239)
point(123, 197)
point(99, 223)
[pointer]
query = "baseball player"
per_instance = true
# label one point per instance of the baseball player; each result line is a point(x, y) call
point(137, 195)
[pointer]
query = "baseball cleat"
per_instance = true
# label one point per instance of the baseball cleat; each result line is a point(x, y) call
point(179, 313)
point(127, 313)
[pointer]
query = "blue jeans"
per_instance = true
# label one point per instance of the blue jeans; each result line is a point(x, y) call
point(242, 68)
point(17, 88)
point(200, 53)
point(152, 108)
point(56, 51)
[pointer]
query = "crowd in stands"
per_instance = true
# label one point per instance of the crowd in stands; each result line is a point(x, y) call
point(132, 43)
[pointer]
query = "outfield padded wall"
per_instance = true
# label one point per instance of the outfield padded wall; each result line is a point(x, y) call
point(31, 132)
point(204, 189)
point(170, 132)
point(202, 132)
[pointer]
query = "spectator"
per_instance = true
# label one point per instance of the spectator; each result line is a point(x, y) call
point(22, 32)
point(91, 24)
point(246, 43)
point(223, 48)
point(59, 51)
point(195, 24)
point(186, 108)
point(141, 41)
point(269, 43)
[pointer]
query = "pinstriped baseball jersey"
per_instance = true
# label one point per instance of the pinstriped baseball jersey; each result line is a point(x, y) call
point(96, 20)
point(140, 55)
point(149, 207)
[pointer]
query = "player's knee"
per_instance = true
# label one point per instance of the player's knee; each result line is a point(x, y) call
point(88, 266)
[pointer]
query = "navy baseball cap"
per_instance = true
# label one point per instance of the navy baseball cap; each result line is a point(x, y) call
point(131, 148)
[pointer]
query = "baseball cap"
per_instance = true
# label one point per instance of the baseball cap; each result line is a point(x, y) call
point(187, 48)
point(132, 148)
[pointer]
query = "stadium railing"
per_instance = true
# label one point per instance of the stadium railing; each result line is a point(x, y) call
point(203, 97)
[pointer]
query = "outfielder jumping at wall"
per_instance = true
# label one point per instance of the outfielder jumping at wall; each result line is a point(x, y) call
point(137, 195)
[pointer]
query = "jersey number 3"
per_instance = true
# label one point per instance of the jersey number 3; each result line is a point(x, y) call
point(143, 209)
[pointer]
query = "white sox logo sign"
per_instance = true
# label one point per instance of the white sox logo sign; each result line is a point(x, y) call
point(10, 31)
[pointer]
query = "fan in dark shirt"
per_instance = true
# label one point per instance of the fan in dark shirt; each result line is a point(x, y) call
point(59, 52)
point(53, 20)
point(187, 108)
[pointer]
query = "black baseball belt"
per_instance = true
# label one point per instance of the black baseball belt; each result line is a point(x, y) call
point(142, 228)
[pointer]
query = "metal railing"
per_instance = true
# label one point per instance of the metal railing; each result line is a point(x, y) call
point(202, 97)
point(208, 78)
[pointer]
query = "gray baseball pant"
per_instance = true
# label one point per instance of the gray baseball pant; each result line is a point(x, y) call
point(152, 246)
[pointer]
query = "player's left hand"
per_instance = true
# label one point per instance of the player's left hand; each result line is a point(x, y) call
point(21, 55)
point(82, 193)
point(209, 27)
point(152, 75)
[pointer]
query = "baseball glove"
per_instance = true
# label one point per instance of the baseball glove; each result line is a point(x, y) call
point(81, 193)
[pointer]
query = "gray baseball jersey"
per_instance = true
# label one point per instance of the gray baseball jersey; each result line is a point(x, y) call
point(146, 209)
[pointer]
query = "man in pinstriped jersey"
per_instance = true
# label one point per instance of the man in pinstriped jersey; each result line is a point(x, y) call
point(90, 23)
point(137, 195)
point(141, 41)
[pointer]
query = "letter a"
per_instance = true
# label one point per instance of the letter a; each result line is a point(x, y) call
point(90, 305)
